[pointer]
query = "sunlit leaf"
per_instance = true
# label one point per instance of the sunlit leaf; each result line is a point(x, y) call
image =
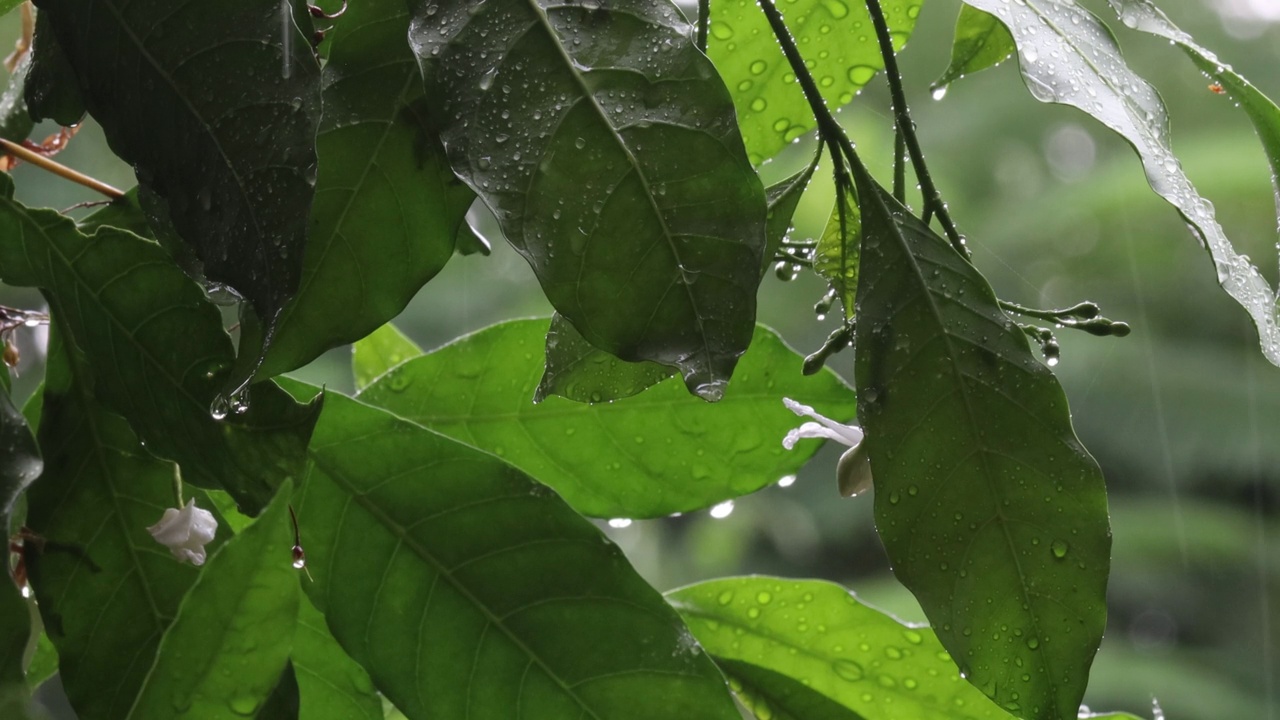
point(836, 257)
point(606, 146)
point(183, 91)
point(468, 590)
point(51, 91)
point(981, 41)
point(223, 655)
point(991, 511)
point(818, 635)
point(1069, 57)
point(332, 685)
point(839, 46)
point(382, 350)
point(614, 459)
point(387, 206)
point(156, 350)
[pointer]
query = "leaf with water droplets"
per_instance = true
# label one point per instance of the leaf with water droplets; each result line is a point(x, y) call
point(382, 350)
point(468, 590)
point(981, 42)
point(783, 197)
point(836, 257)
point(992, 512)
point(773, 696)
point(607, 147)
point(1069, 57)
point(614, 459)
point(20, 463)
point(818, 635)
point(839, 45)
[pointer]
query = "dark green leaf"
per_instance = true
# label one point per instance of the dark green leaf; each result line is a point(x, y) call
point(818, 635)
point(991, 511)
point(51, 89)
point(223, 655)
point(332, 685)
point(15, 121)
point(782, 198)
point(44, 661)
point(1069, 57)
point(382, 350)
point(15, 632)
point(387, 205)
point(614, 459)
point(836, 257)
point(99, 568)
point(606, 146)
point(471, 242)
point(981, 42)
point(124, 213)
point(838, 43)
point(20, 462)
point(774, 696)
point(468, 590)
point(183, 91)
point(579, 371)
point(156, 350)
point(283, 703)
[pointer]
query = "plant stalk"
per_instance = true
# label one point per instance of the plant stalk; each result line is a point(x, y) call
point(59, 169)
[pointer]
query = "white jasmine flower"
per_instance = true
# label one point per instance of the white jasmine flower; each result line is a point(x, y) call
point(185, 532)
point(854, 469)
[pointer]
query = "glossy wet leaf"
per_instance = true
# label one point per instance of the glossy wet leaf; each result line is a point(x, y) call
point(100, 568)
point(614, 459)
point(466, 589)
point(387, 206)
point(836, 257)
point(981, 41)
point(991, 511)
point(606, 146)
point(382, 350)
point(20, 462)
point(223, 655)
point(837, 41)
point(332, 685)
point(156, 349)
point(773, 696)
point(818, 635)
point(167, 83)
point(782, 198)
point(579, 371)
point(51, 90)
point(1069, 57)
point(15, 121)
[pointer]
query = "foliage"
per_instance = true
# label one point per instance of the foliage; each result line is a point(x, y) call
point(428, 542)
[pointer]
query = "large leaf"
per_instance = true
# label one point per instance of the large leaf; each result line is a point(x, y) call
point(107, 590)
point(614, 459)
point(1069, 57)
point(50, 89)
point(382, 350)
point(183, 90)
point(20, 462)
point(332, 685)
point(468, 590)
point(774, 696)
point(606, 146)
point(223, 655)
point(981, 41)
point(156, 350)
point(839, 46)
point(992, 512)
point(818, 635)
point(387, 205)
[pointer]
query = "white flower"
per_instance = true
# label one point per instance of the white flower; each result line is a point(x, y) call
point(185, 532)
point(854, 469)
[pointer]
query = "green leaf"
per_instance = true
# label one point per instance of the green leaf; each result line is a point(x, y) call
point(468, 590)
point(820, 636)
point(614, 459)
point(981, 42)
point(283, 703)
point(15, 121)
point(782, 198)
point(20, 463)
point(124, 213)
point(15, 632)
point(223, 655)
point(839, 46)
point(99, 569)
point(579, 371)
point(774, 696)
point(182, 91)
point(616, 169)
point(836, 257)
point(44, 661)
point(156, 350)
point(332, 685)
point(7, 5)
point(51, 90)
point(387, 205)
point(1069, 57)
point(382, 350)
point(991, 511)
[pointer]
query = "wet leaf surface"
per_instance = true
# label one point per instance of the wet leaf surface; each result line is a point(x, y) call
point(382, 350)
point(981, 41)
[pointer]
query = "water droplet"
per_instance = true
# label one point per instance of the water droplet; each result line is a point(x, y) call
point(939, 92)
point(847, 669)
point(580, 143)
point(1059, 548)
point(725, 598)
point(723, 510)
point(1033, 643)
point(758, 67)
point(244, 705)
point(721, 31)
point(764, 597)
point(620, 522)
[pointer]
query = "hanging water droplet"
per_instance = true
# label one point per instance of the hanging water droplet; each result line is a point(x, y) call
point(723, 510)
point(620, 523)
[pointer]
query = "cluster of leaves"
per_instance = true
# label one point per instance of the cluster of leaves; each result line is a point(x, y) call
point(444, 513)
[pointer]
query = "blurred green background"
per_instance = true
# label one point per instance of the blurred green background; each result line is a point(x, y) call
point(1183, 415)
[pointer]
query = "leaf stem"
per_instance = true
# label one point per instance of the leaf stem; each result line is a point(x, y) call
point(59, 169)
point(704, 20)
point(933, 203)
point(899, 167)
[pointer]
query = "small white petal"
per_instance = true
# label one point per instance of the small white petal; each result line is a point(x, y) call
point(185, 532)
point(849, 435)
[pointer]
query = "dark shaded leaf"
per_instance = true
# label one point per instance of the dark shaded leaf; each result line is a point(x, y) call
point(782, 198)
point(579, 371)
point(387, 205)
point(981, 41)
point(124, 213)
point(51, 89)
point(20, 462)
point(156, 350)
point(606, 146)
point(182, 91)
point(380, 351)
point(991, 511)
point(774, 696)
point(468, 590)
point(614, 459)
point(836, 257)
point(835, 35)
point(1069, 57)
point(283, 703)
point(817, 635)
point(332, 685)
point(15, 632)
point(223, 655)
point(15, 121)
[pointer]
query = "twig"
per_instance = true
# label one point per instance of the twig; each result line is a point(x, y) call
point(59, 169)
point(704, 19)
point(899, 167)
